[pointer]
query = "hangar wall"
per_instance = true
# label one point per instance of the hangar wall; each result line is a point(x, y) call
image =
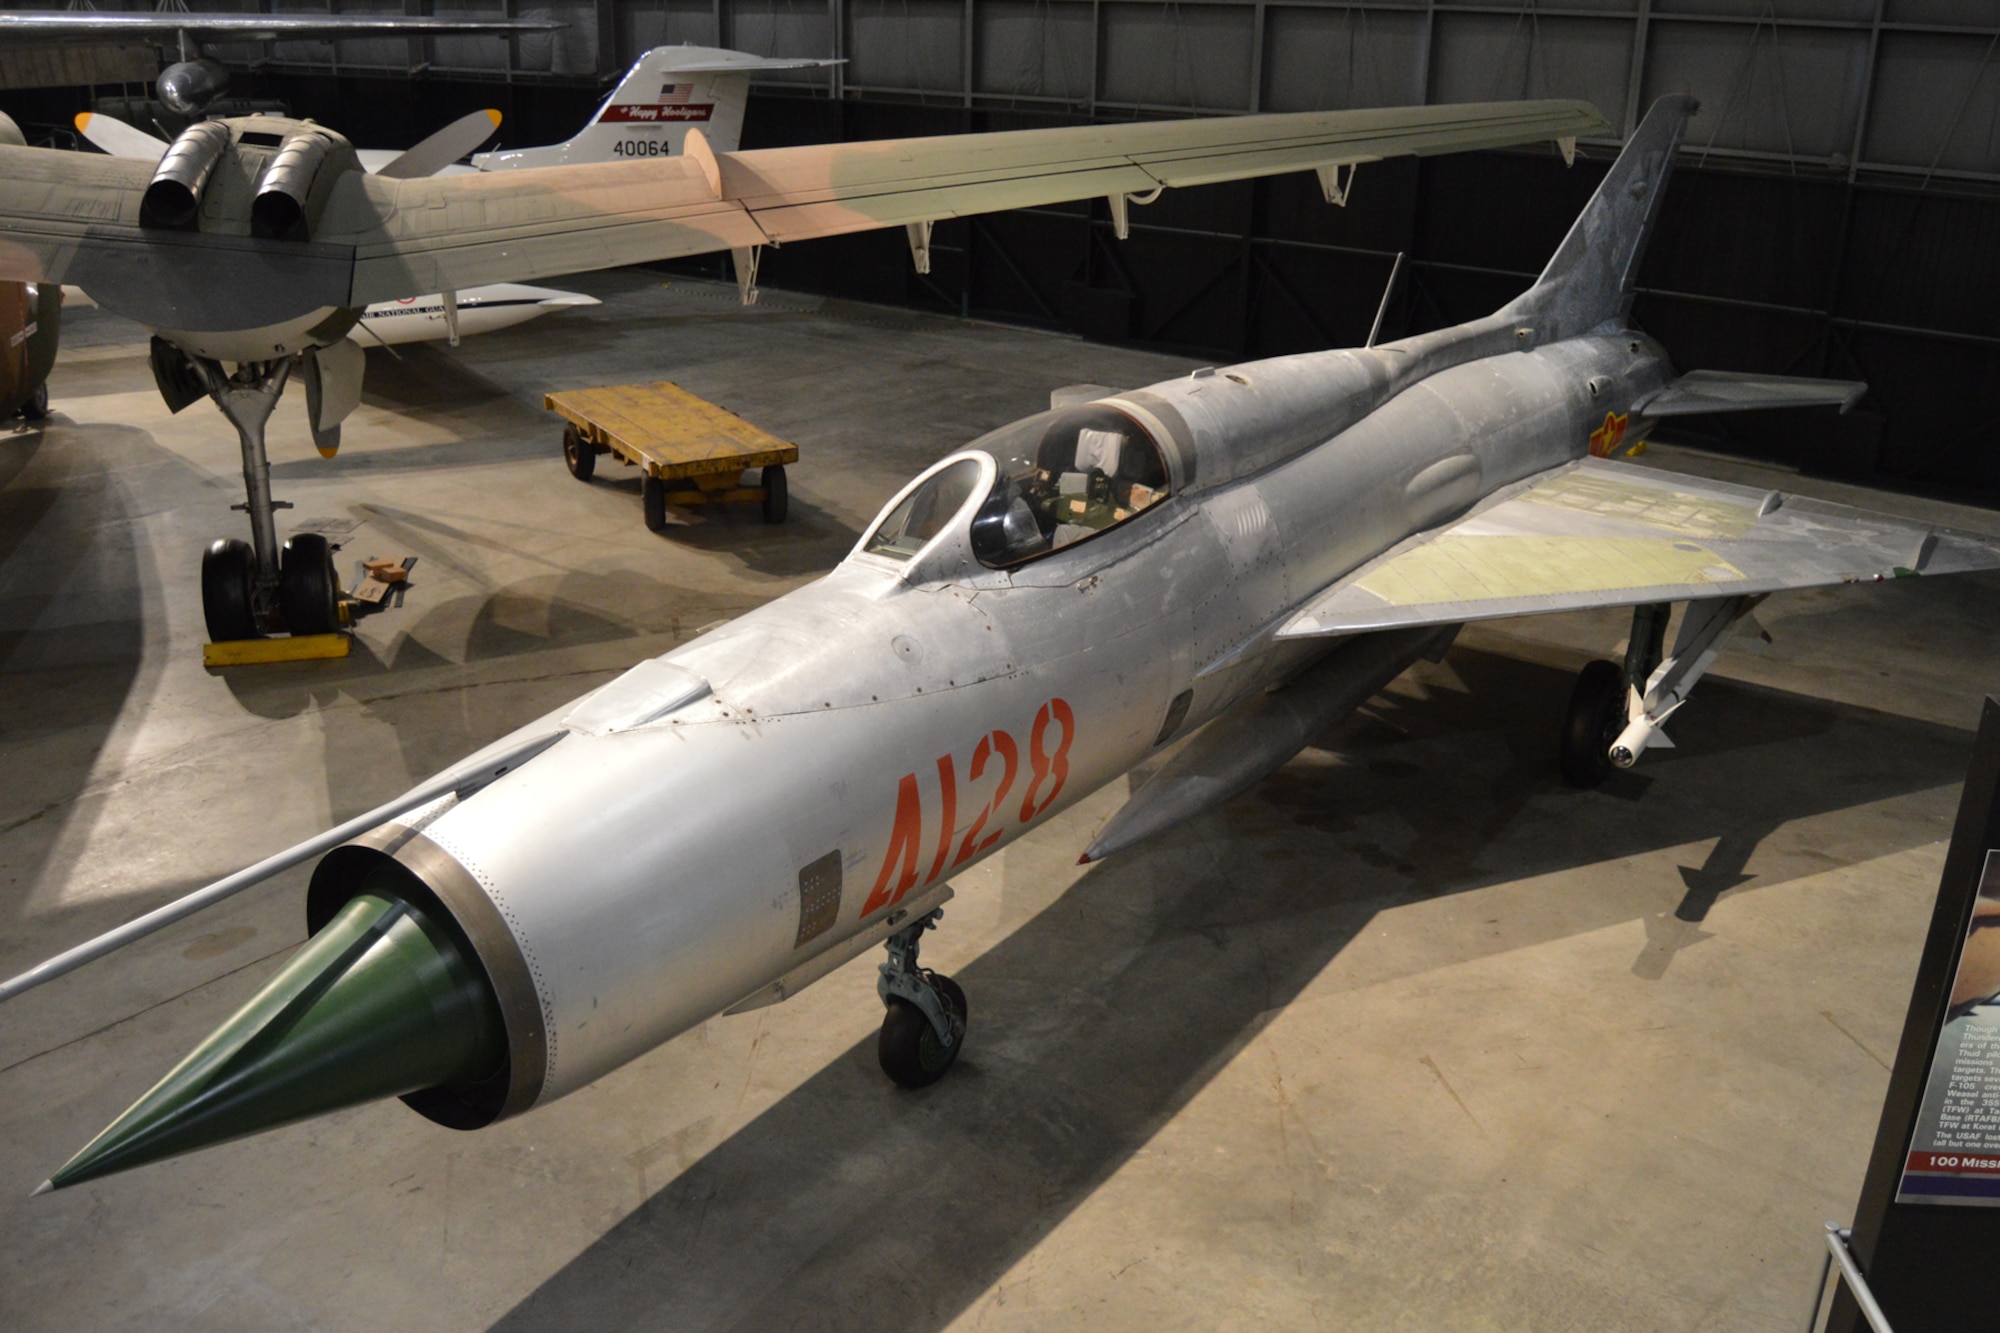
point(1837, 212)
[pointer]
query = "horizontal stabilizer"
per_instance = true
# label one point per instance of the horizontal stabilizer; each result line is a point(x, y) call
point(1597, 533)
point(742, 64)
point(1726, 391)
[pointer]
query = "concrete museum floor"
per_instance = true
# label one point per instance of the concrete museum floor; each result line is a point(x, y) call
point(1409, 1037)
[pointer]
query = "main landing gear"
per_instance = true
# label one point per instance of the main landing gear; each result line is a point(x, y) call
point(1618, 713)
point(250, 589)
point(925, 1023)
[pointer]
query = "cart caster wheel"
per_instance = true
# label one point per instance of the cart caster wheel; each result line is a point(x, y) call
point(1595, 717)
point(308, 588)
point(581, 457)
point(653, 492)
point(37, 405)
point(777, 496)
point(228, 577)
point(909, 1049)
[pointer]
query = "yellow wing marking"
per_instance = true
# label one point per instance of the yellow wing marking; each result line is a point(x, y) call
point(1457, 568)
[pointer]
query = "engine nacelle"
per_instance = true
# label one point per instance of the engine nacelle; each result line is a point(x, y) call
point(281, 208)
point(173, 198)
point(188, 86)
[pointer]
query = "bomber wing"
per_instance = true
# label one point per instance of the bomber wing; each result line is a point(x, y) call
point(401, 238)
point(1597, 533)
point(542, 222)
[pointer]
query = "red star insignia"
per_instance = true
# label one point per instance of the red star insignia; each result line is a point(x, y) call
point(1606, 438)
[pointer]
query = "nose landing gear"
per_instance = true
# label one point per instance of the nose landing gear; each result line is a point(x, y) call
point(925, 1023)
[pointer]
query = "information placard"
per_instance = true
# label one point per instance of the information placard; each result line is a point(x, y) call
point(1954, 1155)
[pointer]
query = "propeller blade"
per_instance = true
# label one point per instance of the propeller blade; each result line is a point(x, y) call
point(445, 147)
point(117, 138)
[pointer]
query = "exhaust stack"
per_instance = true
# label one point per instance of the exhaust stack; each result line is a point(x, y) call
point(173, 198)
point(279, 211)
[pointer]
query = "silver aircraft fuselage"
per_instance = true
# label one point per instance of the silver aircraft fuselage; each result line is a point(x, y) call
point(901, 719)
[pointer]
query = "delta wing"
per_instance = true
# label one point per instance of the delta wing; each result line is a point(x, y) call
point(1597, 533)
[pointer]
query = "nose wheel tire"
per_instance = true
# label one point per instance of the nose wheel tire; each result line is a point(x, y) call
point(1596, 716)
point(581, 458)
point(909, 1048)
point(228, 581)
point(308, 588)
point(777, 495)
point(37, 405)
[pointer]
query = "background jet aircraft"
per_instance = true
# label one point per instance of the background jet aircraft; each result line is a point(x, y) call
point(1255, 550)
point(258, 241)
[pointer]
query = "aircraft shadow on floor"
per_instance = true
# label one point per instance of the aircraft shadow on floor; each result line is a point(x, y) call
point(508, 443)
point(68, 540)
point(1096, 1021)
point(420, 380)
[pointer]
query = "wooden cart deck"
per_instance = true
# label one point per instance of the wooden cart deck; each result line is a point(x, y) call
point(689, 450)
point(668, 431)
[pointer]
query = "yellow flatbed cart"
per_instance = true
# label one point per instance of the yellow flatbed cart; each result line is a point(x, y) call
point(688, 450)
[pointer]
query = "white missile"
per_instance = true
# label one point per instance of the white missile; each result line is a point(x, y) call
point(1646, 731)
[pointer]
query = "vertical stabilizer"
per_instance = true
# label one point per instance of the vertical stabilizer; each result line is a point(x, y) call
point(1589, 281)
point(667, 92)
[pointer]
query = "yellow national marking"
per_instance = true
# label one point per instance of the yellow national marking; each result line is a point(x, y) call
point(1679, 512)
point(1457, 568)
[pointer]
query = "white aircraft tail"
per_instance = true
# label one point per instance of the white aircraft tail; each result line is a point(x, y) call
point(669, 91)
point(1589, 281)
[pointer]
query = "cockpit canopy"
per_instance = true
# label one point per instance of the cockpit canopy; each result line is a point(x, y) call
point(1060, 477)
point(1064, 476)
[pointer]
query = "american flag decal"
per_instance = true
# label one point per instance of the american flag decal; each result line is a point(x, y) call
point(675, 93)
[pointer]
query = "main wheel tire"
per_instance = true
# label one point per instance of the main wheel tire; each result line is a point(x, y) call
point(228, 581)
point(580, 457)
point(308, 587)
point(909, 1049)
point(653, 493)
point(1594, 720)
point(777, 495)
point(37, 405)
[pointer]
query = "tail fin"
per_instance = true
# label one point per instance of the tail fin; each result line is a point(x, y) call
point(1589, 281)
point(667, 91)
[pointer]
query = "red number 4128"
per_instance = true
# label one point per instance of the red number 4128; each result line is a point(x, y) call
point(996, 759)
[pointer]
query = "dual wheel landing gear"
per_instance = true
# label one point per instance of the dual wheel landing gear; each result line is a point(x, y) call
point(1616, 713)
point(925, 1023)
point(250, 589)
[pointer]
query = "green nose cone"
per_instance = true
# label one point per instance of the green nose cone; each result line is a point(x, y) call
point(380, 1003)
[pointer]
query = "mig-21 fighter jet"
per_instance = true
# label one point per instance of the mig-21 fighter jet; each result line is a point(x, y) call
point(1252, 551)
